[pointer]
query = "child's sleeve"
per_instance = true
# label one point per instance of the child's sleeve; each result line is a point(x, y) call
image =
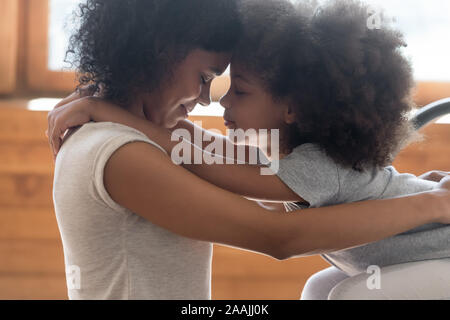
point(311, 174)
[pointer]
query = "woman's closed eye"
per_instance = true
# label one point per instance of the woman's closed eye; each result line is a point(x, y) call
point(205, 79)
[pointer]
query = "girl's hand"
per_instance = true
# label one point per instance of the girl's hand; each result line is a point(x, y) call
point(71, 112)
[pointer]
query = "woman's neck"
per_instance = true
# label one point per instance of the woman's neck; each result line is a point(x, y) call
point(138, 107)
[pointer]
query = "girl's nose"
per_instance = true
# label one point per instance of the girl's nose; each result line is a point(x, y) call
point(225, 101)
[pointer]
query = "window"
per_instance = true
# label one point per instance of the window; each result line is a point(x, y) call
point(59, 29)
point(39, 76)
point(425, 25)
point(34, 37)
point(50, 26)
point(8, 42)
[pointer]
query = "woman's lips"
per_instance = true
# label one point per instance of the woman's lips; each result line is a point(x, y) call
point(187, 110)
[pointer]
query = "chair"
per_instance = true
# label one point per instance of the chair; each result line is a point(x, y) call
point(355, 288)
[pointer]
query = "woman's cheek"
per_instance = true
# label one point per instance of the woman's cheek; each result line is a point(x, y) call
point(194, 92)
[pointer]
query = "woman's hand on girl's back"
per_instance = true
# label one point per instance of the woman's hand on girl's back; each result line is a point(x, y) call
point(444, 190)
point(435, 175)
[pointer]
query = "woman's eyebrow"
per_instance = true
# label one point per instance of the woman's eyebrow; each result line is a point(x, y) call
point(215, 71)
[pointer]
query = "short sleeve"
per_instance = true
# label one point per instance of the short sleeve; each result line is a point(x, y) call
point(311, 174)
point(105, 152)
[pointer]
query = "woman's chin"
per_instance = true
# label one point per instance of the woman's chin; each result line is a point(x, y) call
point(172, 123)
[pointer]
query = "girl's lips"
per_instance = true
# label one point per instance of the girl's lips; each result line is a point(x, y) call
point(230, 124)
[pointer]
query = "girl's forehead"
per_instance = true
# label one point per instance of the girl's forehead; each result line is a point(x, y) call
point(240, 72)
point(237, 68)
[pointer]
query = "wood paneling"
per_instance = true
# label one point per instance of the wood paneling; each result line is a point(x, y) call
point(245, 264)
point(239, 274)
point(9, 15)
point(432, 153)
point(26, 189)
point(257, 288)
point(31, 255)
point(428, 92)
point(37, 153)
point(21, 223)
point(19, 125)
point(32, 286)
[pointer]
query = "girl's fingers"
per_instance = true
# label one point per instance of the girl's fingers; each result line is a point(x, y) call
point(50, 130)
point(56, 142)
point(82, 92)
point(73, 96)
point(53, 135)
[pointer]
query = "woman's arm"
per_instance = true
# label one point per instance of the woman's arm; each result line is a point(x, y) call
point(189, 206)
point(242, 179)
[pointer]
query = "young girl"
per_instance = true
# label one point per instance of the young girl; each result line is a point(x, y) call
point(338, 93)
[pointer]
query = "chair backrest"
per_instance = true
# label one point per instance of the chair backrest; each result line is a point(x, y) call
point(431, 112)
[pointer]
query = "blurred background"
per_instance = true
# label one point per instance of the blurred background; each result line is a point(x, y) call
point(33, 77)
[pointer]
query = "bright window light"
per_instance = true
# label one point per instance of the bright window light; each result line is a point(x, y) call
point(42, 104)
point(60, 28)
point(425, 24)
point(47, 104)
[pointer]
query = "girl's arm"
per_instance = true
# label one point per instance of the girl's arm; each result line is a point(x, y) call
point(202, 211)
point(242, 179)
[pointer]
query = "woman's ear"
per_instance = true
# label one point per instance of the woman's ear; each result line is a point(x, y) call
point(289, 115)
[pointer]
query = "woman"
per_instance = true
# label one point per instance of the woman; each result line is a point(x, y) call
point(112, 182)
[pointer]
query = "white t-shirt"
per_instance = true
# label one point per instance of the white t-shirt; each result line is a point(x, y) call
point(109, 251)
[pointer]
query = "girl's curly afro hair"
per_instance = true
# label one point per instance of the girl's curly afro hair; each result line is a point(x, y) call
point(127, 46)
point(348, 84)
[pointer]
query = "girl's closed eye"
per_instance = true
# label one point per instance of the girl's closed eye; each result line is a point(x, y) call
point(239, 92)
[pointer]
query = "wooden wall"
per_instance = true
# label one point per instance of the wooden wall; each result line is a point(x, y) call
point(31, 256)
point(9, 28)
point(31, 260)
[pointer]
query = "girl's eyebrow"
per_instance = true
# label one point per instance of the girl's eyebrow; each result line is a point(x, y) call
point(238, 76)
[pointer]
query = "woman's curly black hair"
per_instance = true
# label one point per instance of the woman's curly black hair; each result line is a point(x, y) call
point(348, 84)
point(129, 46)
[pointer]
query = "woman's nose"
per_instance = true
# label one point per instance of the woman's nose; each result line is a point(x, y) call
point(205, 95)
